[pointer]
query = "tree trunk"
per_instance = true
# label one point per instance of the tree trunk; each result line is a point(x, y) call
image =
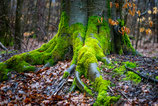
point(5, 32)
point(18, 36)
point(89, 39)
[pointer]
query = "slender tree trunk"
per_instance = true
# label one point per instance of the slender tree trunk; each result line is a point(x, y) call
point(49, 14)
point(5, 33)
point(18, 36)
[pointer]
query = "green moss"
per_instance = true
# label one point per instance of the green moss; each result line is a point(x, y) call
point(3, 71)
point(78, 33)
point(127, 46)
point(129, 75)
point(66, 74)
point(132, 76)
point(119, 70)
point(73, 86)
point(86, 56)
point(101, 86)
point(120, 52)
point(96, 44)
point(130, 64)
point(87, 90)
point(100, 32)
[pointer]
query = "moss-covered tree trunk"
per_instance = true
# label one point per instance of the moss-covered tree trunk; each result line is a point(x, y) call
point(90, 40)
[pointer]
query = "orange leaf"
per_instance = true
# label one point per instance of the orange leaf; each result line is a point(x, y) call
point(141, 29)
point(110, 20)
point(148, 31)
point(130, 12)
point(138, 12)
point(134, 5)
point(117, 5)
point(130, 5)
point(150, 23)
point(110, 4)
point(125, 5)
point(127, 30)
point(99, 21)
point(122, 29)
point(134, 11)
point(27, 100)
point(117, 22)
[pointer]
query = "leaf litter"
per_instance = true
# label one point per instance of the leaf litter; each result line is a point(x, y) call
point(38, 88)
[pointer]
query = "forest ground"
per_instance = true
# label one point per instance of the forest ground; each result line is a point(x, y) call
point(41, 87)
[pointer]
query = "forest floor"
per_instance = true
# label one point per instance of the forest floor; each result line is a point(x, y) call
point(42, 87)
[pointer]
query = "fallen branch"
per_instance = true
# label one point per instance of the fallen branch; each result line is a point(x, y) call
point(2, 46)
point(143, 76)
point(111, 90)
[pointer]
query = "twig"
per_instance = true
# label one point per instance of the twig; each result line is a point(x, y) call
point(148, 78)
point(125, 96)
point(111, 90)
point(4, 48)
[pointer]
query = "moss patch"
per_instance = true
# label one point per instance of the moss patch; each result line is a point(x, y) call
point(66, 74)
point(101, 87)
point(88, 90)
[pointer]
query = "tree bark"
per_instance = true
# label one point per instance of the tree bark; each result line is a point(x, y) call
point(5, 32)
point(18, 36)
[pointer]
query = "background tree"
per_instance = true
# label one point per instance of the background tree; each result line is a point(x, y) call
point(18, 36)
point(5, 33)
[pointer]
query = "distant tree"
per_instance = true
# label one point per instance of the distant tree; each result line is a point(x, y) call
point(18, 35)
point(5, 33)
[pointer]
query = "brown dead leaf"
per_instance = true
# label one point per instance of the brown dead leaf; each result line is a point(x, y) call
point(27, 100)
